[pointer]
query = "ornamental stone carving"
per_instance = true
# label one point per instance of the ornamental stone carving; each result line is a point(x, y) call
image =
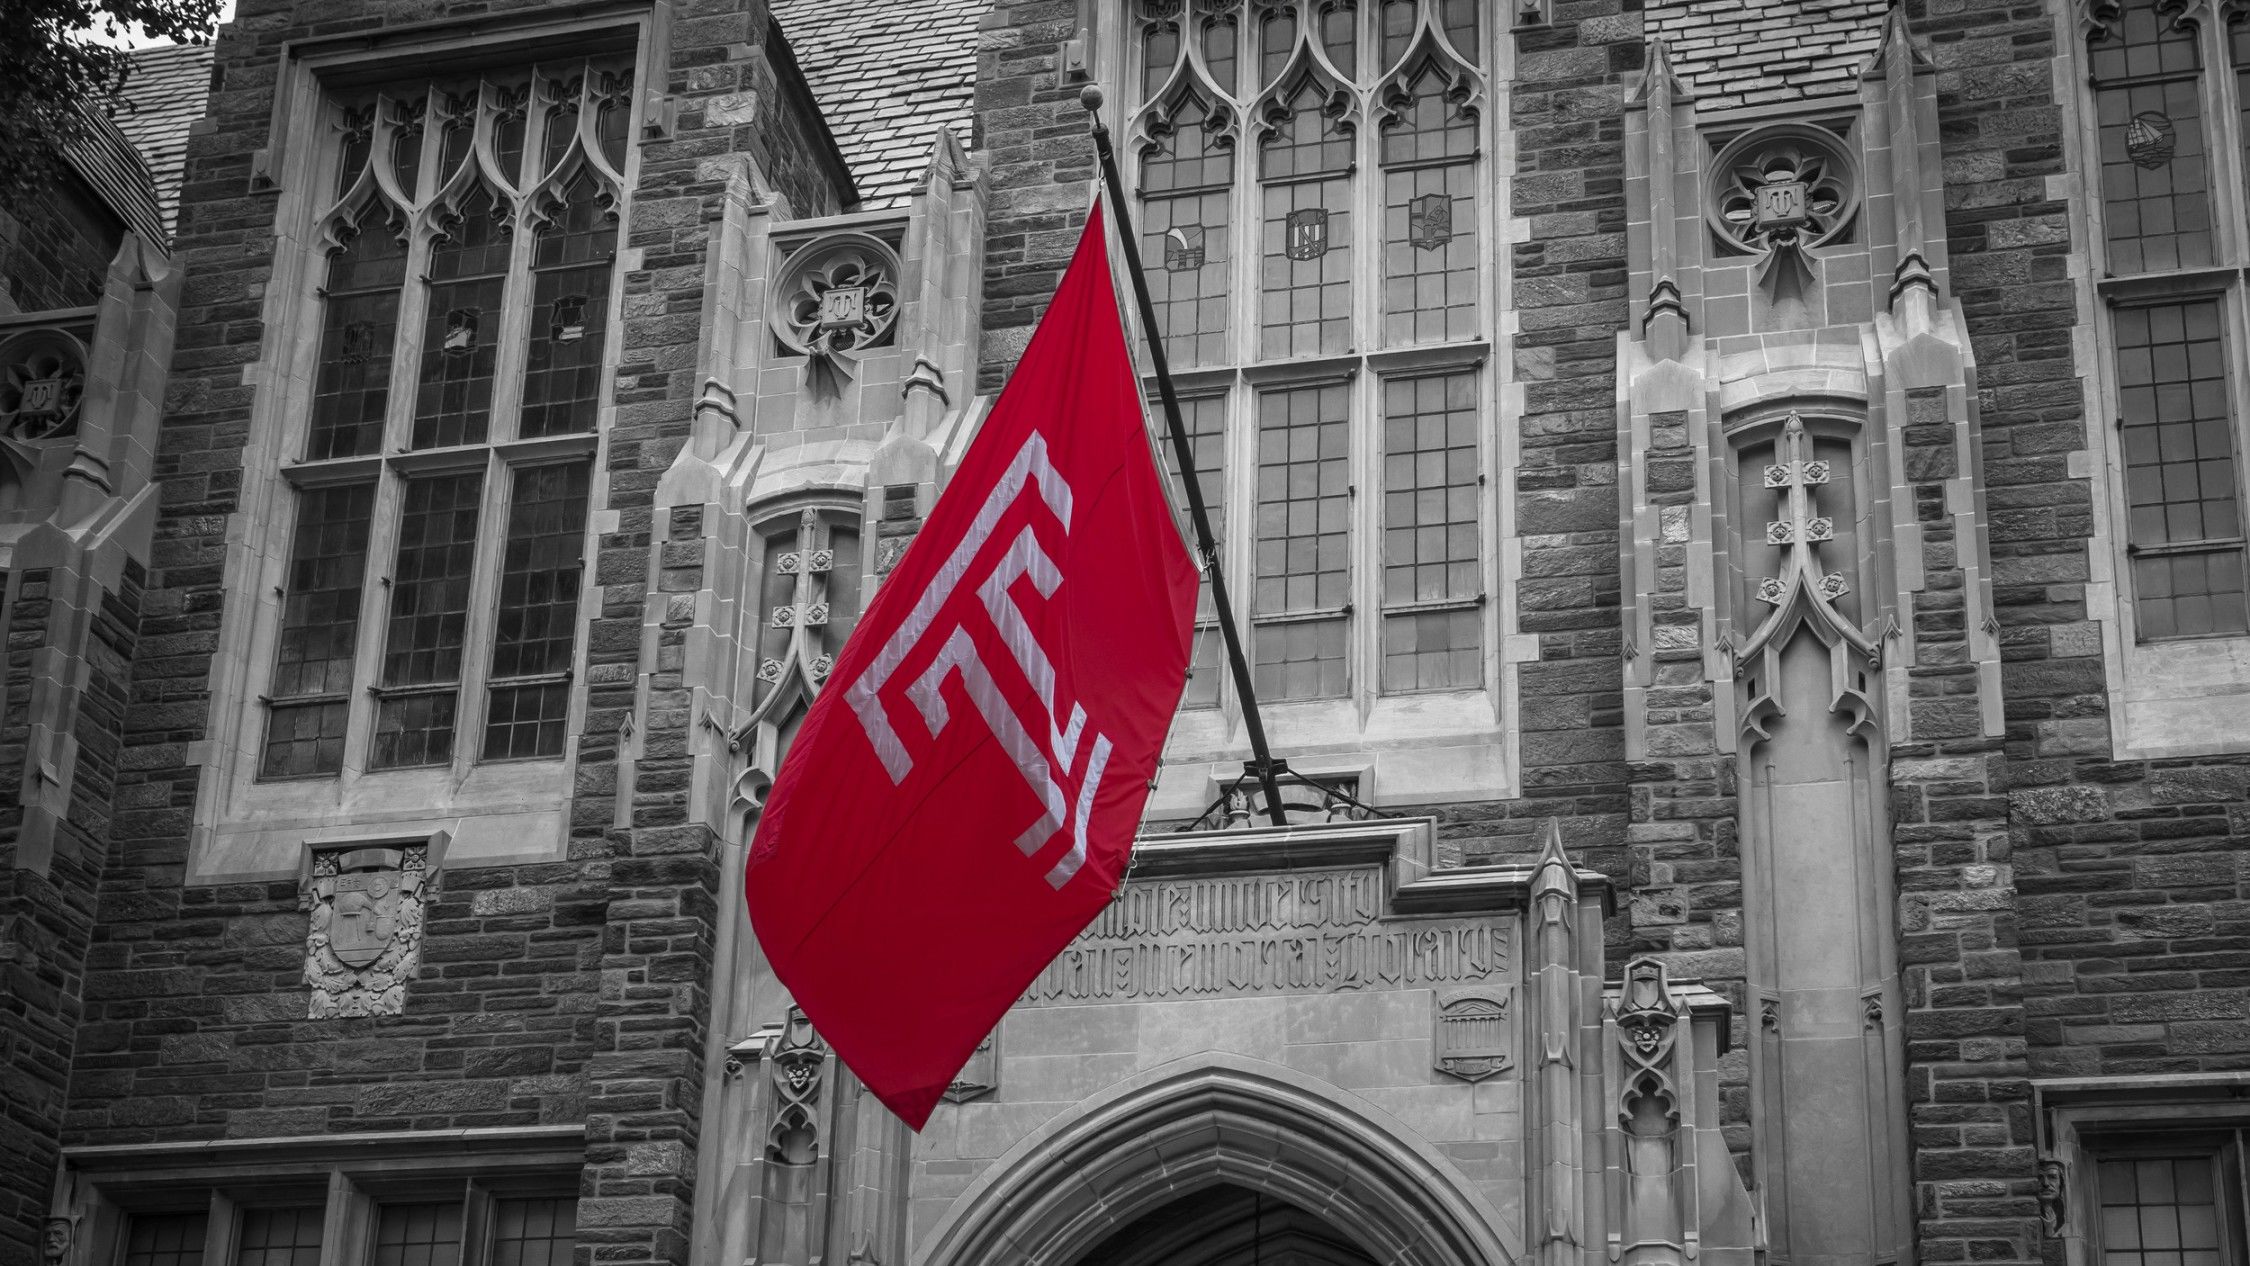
point(42, 380)
point(1473, 1040)
point(1787, 186)
point(837, 297)
point(364, 942)
point(980, 1076)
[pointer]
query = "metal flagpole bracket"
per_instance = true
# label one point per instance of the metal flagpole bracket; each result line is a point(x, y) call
point(1261, 764)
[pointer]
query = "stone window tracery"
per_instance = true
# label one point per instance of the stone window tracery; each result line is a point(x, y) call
point(2169, 125)
point(1312, 178)
point(444, 475)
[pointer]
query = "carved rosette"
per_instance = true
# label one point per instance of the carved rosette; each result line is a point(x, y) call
point(42, 382)
point(364, 942)
point(835, 298)
point(1791, 185)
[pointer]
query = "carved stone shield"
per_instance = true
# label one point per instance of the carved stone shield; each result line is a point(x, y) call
point(981, 1075)
point(1473, 1039)
point(365, 918)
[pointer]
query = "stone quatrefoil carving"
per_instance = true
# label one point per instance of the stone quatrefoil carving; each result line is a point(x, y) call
point(1777, 188)
point(42, 380)
point(837, 295)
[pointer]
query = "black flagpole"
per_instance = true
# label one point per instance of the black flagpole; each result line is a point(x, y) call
point(1261, 759)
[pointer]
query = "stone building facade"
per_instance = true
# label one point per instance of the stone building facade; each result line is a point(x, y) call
point(1736, 509)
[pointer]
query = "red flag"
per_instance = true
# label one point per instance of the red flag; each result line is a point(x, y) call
point(961, 800)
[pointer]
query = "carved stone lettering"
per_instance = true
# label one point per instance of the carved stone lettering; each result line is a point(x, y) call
point(1309, 932)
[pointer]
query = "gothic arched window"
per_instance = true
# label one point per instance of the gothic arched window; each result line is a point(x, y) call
point(2170, 98)
point(1314, 214)
point(450, 516)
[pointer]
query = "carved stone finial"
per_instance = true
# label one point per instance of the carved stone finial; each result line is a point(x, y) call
point(1553, 873)
point(795, 1061)
point(1648, 1018)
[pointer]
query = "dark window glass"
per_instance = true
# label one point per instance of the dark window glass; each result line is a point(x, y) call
point(459, 132)
point(2180, 477)
point(406, 141)
point(166, 1239)
point(1430, 554)
point(279, 1237)
point(418, 1235)
point(510, 102)
point(1460, 18)
point(2239, 40)
point(2156, 179)
point(616, 114)
point(1184, 240)
point(2160, 1211)
point(1398, 29)
point(1277, 36)
point(429, 615)
point(1305, 269)
point(534, 1232)
point(1338, 36)
point(1307, 142)
point(1206, 418)
point(562, 381)
point(1429, 220)
point(1160, 52)
point(312, 677)
point(358, 142)
point(352, 385)
point(1303, 556)
point(461, 336)
point(1219, 34)
point(562, 119)
point(538, 619)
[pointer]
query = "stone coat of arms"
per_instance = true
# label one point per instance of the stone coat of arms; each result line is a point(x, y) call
point(365, 939)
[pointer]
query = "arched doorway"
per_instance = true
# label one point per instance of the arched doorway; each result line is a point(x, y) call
point(1212, 1141)
point(1228, 1225)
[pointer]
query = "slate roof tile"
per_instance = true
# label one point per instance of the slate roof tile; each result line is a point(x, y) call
point(1762, 52)
point(887, 75)
point(109, 163)
point(164, 96)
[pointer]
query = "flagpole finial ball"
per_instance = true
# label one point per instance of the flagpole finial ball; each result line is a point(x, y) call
point(1090, 97)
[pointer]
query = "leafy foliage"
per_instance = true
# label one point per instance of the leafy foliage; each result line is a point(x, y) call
point(53, 69)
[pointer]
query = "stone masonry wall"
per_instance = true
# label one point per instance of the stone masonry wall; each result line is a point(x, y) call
point(55, 247)
point(570, 991)
point(47, 916)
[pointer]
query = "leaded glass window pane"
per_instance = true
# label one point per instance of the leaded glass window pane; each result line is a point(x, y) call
point(1432, 577)
point(1206, 419)
point(280, 1237)
point(166, 1239)
point(1305, 273)
point(540, 577)
point(1277, 36)
point(429, 620)
point(312, 677)
point(534, 1232)
point(2180, 476)
point(2159, 1211)
point(1303, 556)
point(572, 263)
point(2239, 42)
point(418, 1235)
point(1338, 38)
point(2155, 164)
point(1219, 35)
point(461, 334)
point(352, 386)
point(1184, 239)
point(1398, 19)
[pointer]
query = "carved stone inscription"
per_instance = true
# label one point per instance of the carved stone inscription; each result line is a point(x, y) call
point(1308, 932)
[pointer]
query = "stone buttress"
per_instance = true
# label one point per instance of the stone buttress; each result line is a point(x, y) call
point(1805, 583)
point(837, 380)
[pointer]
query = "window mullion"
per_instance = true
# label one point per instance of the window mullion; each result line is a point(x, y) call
point(484, 608)
point(413, 312)
point(2223, 133)
point(374, 622)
